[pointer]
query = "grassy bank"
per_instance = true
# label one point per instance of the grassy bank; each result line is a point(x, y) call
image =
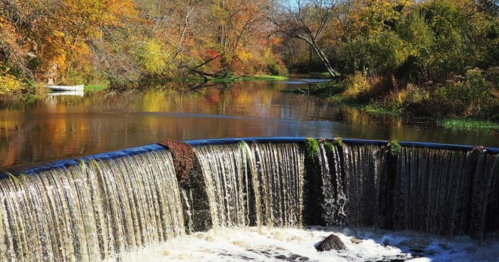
point(467, 124)
point(468, 102)
point(96, 87)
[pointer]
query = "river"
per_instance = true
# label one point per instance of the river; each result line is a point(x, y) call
point(51, 127)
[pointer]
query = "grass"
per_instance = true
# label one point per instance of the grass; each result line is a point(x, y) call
point(227, 79)
point(96, 87)
point(374, 109)
point(467, 124)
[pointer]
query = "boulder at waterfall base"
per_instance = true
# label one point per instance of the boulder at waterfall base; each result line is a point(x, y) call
point(332, 242)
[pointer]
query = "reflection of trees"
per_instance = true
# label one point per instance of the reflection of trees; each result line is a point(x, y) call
point(59, 127)
point(9, 149)
point(358, 117)
point(32, 131)
point(56, 127)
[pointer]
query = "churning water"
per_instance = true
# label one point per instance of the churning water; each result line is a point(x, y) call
point(293, 244)
point(253, 200)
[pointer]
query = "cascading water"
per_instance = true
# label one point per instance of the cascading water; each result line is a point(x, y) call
point(362, 167)
point(349, 179)
point(225, 172)
point(90, 211)
point(431, 190)
point(257, 184)
point(279, 183)
point(446, 192)
point(104, 207)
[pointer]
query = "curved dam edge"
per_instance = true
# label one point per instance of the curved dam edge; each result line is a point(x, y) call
point(65, 163)
point(439, 189)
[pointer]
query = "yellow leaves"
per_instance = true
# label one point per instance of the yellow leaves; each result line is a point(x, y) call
point(356, 84)
point(244, 55)
point(152, 56)
point(9, 83)
point(58, 33)
point(86, 16)
point(59, 61)
point(406, 3)
point(218, 11)
point(369, 17)
point(115, 11)
point(96, 34)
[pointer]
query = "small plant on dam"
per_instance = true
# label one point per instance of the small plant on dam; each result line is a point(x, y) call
point(338, 141)
point(394, 147)
point(311, 148)
point(328, 146)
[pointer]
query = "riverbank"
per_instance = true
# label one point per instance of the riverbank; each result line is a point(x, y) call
point(463, 102)
point(467, 104)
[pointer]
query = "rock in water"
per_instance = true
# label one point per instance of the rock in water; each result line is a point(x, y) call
point(331, 242)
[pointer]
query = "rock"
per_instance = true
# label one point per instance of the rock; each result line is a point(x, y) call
point(331, 242)
point(295, 257)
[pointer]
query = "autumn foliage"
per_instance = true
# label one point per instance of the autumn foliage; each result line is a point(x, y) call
point(70, 41)
point(126, 41)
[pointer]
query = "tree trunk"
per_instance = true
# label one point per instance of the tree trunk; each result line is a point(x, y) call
point(321, 55)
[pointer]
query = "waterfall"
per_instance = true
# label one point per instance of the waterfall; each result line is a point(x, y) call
point(257, 184)
point(446, 192)
point(90, 211)
point(279, 183)
point(349, 179)
point(224, 168)
point(363, 166)
point(107, 206)
point(431, 190)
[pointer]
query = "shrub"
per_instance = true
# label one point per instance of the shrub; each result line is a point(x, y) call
point(356, 84)
point(474, 98)
point(10, 84)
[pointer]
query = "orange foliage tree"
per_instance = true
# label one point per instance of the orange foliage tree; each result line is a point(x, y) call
point(67, 41)
point(51, 39)
point(213, 38)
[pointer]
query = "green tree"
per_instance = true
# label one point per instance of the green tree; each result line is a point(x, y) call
point(380, 55)
point(453, 30)
point(419, 39)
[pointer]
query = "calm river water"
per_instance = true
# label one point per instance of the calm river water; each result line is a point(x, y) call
point(52, 127)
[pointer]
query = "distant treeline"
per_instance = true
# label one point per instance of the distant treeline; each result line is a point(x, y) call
point(124, 42)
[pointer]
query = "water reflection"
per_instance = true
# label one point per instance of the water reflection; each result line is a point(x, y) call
point(67, 93)
point(53, 127)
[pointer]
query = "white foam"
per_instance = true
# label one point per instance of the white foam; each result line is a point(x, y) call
point(281, 244)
